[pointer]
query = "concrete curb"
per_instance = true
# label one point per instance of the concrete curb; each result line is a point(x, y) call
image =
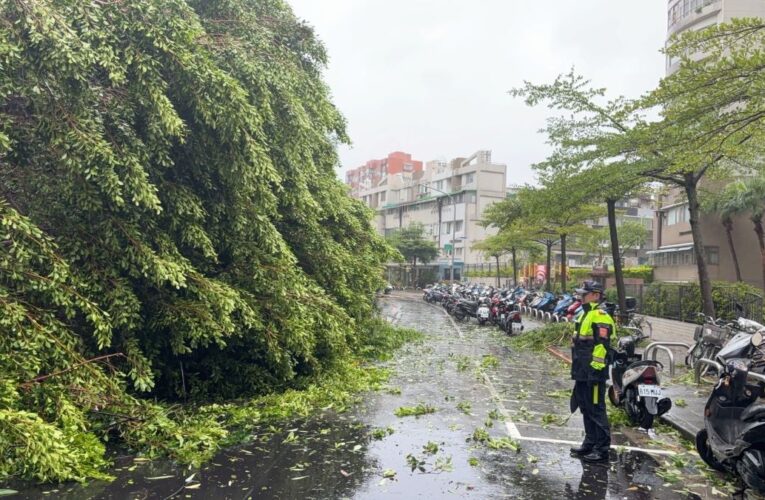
point(686, 429)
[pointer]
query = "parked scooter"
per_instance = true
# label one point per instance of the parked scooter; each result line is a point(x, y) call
point(733, 438)
point(465, 309)
point(483, 312)
point(511, 322)
point(635, 383)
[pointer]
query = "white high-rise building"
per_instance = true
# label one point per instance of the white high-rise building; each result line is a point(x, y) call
point(684, 15)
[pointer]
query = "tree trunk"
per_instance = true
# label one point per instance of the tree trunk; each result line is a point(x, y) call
point(414, 272)
point(563, 261)
point(761, 240)
point(698, 245)
point(618, 273)
point(549, 245)
point(728, 224)
point(515, 269)
point(497, 257)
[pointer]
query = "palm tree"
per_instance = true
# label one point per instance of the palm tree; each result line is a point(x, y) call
point(727, 204)
point(752, 199)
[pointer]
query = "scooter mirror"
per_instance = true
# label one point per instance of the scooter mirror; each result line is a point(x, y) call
point(757, 339)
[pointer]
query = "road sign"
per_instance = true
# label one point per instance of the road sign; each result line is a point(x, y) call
point(448, 248)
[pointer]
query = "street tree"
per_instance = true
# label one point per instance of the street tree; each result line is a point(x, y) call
point(726, 203)
point(752, 201)
point(413, 246)
point(512, 239)
point(588, 160)
point(558, 214)
point(513, 236)
point(696, 136)
point(711, 114)
point(548, 216)
point(632, 235)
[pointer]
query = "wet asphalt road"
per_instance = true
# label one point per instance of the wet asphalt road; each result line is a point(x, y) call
point(473, 380)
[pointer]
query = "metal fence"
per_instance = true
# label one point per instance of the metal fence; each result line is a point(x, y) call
point(488, 269)
point(682, 302)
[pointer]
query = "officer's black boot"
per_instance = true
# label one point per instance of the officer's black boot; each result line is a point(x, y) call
point(595, 457)
point(581, 451)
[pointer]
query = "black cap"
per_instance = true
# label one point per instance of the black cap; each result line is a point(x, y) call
point(590, 286)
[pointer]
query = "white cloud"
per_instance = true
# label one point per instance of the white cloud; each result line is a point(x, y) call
point(430, 77)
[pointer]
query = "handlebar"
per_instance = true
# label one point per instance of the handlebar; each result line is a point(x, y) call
point(758, 377)
point(636, 331)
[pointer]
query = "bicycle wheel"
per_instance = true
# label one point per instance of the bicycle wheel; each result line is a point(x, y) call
point(709, 353)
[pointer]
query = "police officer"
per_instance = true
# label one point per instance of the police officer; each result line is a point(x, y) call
point(593, 330)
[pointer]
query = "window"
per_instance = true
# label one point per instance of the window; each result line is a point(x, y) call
point(678, 214)
point(458, 226)
point(458, 251)
point(713, 255)
point(469, 178)
point(447, 228)
point(408, 167)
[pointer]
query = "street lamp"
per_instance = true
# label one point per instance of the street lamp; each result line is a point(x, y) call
point(454, 229)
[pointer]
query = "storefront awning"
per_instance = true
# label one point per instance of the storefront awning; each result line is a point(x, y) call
point(670, 249)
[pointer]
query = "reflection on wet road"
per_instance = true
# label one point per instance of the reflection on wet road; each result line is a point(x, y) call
point(474, 383)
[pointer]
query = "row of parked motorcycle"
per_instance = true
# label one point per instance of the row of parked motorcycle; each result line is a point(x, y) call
point(488, 305)
point(733, 437)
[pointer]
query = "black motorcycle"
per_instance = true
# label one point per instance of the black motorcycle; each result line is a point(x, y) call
point(733, 438)
point(465, 309)
point(635, 383)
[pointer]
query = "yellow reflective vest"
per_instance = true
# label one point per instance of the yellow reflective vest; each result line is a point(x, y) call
point(592, 338)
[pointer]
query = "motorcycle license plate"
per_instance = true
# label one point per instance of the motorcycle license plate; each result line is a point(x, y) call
point(649, 391)
point(484, 313)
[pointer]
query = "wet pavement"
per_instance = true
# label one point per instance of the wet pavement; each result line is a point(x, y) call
point(496, 430)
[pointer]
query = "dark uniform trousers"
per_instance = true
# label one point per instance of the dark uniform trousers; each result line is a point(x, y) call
point(590, 396)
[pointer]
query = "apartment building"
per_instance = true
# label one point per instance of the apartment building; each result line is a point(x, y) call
point(673, 258)
point(369, 175)
point(447, 198)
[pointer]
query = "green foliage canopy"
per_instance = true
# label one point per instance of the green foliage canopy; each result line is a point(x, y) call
point(413, 245)
point(169, 208)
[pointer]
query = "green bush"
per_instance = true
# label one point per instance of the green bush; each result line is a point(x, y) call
point(643, 272)
point(579, 273)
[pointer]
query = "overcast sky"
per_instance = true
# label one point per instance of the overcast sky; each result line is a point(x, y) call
point(430, 77)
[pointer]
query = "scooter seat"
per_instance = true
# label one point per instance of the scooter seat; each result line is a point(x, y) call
point(754, 412)
point(646, 362)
